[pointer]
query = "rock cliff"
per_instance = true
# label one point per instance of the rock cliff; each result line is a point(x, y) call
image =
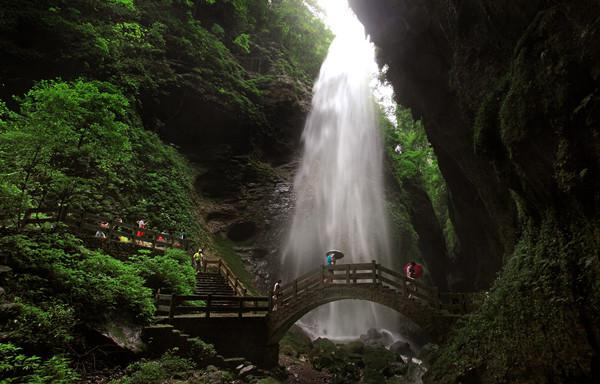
point(509, 95)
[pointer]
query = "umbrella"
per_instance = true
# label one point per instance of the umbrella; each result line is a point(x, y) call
point(335, 253)
point(418, 270)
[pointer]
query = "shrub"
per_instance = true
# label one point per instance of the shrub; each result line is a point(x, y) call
point(201, 350)
point(526, 330)
point(99, 286)
point(172, 271)
point(156, 371)
point(16, 367)
point(39, 328)
point(95, 284)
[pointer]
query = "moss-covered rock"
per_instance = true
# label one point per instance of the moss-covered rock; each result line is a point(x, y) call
point(295, 342)
point(512, 113)
point(380, 364)
point(537, 321)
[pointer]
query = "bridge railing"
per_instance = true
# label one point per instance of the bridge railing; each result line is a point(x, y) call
point(225, 271)
point(217, 304)
point(357, 274)
point(408, 287)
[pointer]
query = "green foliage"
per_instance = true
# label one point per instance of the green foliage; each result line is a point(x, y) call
point(199, 350)
point(416, 160)
point(171, 271)
point(161, 54)
point(336, 359)
point(157, 185)
point(243, 41)
point(65, 136)
point(536, 320)
point(224, 248)
point(416, 165)
point(41, 328)
point(295, 342)
point(79, 143)
point(376, 360)
point(11, 200)
point(16, 367)
point(96, 285)
point(156, 371)
point(303, 36)
point(129, 4)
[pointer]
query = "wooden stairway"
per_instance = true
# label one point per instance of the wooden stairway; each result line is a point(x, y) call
point(208, 283)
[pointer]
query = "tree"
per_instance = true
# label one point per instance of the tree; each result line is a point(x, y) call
point(422, 190)
point(65, 137)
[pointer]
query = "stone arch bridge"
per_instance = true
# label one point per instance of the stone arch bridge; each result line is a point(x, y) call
point(252, 326)
point(372, 282)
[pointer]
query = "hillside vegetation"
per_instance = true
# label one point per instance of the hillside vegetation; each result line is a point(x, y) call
point(92, 94)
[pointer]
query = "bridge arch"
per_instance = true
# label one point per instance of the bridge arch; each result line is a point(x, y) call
point(285, 316)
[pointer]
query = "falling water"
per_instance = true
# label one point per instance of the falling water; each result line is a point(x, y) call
point(339, 185)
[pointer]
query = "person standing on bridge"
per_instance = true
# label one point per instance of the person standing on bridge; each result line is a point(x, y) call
point(330, 259)
point(413, 272)
point(276, 292)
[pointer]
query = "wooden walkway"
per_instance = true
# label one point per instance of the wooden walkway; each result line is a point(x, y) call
point(86, 225)
point(252, 326)
point(423, 304)
point(241, 304)
point(348, 275)
point(365, 281)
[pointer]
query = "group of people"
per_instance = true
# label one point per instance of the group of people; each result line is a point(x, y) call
point(162, 237)
point(412, 269)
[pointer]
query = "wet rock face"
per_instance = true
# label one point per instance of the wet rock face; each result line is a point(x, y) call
point(250, 207)
point(197, 126)
point(242, 231)
point(507, 93)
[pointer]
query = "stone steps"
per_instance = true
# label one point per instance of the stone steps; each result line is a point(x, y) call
point(214, 284)
point(164, 337)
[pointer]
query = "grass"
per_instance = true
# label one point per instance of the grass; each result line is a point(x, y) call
point(225, 249)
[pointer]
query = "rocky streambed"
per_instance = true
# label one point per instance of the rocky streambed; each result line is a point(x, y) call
point(370, 359)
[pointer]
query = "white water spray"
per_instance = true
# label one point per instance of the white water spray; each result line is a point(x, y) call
point(339, 185)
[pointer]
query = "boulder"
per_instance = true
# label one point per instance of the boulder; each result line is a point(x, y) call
point(402, 348)
point(376, 338)
point(246, 370)
point(123, 335)
point(355, 346)
point(395, 368)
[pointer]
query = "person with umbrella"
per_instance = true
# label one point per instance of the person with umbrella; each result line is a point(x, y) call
point(413, 271)
point(331, 257)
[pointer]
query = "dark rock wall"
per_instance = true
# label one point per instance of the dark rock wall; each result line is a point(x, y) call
point(509, 95)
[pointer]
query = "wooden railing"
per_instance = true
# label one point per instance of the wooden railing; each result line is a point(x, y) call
point(88, 224)
point(228, 305)
point(222, 267)
point(374, 274)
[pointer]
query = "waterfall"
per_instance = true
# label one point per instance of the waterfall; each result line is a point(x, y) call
point(340, 200)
